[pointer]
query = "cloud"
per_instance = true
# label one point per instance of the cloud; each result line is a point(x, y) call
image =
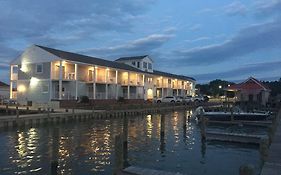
point(268, 8)
point(203, 38)
point(139, 46)
point(48, 19)
point(195, 27)
point(249, 40)
point(205, 10)
point(236, 8)
point(6, 53)
point(242, 72)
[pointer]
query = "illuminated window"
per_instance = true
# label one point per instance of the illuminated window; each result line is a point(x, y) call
point(39, 68)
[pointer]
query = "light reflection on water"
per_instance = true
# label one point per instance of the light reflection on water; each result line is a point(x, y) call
point(88, 148)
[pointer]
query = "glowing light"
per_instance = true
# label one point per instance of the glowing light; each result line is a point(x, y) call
point(228, 85)
point(24, 68)
point(34, 81)
point(21, 88)
point(149, 94)
point(220, 86)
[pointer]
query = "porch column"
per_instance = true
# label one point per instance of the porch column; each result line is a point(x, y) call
point(177, 92)
point(128, 92)
point(11, 82)
point(94, 82)
point(50, 82)
point(143, 89)
point(60, 81)
point(116, 82)
point(106, 83)
point(76, 81)
point(162, 93)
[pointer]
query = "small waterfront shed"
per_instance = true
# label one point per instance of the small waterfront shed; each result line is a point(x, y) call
point(251, 90)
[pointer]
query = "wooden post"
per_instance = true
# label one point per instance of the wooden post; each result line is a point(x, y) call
point(55, 149)
point(264, 142)
point(246, 170)
point(203, 125)
point(118, 154)
point(162, 134)
point(17, 111)
point(231, 112)
point(125, 141)
point(7, 109)
point(48, 112)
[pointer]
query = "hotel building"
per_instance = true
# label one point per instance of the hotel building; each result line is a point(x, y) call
point(42, 75)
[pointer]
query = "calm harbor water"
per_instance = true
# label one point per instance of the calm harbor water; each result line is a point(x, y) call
point(88, 148)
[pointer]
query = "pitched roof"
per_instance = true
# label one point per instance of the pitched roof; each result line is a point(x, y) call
point(2, 84)
point(101, 62)
point(131, 58)
point(165, 74)
point(89, 60)
point(249, 84)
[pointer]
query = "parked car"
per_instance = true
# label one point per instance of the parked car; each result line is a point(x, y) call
point(168, 99)
point(206, 98)
point(198, 98)
point(9, 102)
point(180, 99)
point(188, 99)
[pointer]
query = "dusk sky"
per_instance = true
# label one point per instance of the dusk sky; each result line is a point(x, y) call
point(222, 39)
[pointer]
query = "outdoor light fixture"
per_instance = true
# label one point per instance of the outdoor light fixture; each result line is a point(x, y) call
point(34, 81)
point(21, 88)
point(220, 86)
point(24, 68)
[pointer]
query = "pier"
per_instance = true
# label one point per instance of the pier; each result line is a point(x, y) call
point(272, 164)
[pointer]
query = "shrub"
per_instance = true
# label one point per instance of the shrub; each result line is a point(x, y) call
point(84, 99)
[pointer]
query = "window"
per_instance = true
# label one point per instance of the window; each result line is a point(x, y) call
point(145, 65)
point(39, 68)
point(15, 69)
point(45, 88)
point(149, 66)
point(134, 63)
point(138, 64)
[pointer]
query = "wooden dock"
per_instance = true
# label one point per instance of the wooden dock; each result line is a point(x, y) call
point(272, 165)
point(145, 171)
point(234, 137)
point(63, 116)
point(265, 123)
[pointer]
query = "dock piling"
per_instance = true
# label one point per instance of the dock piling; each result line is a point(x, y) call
point(246, 170)
point(55, 149)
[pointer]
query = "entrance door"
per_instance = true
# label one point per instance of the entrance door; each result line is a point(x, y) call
point(251, 97)
point(149, 94)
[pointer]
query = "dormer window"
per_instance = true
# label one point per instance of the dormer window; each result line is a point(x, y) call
point(149, 66)
point(138, 65)
point(134, 63)
point(145, 65)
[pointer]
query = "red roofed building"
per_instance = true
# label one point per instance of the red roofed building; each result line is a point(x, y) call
point(251, 90)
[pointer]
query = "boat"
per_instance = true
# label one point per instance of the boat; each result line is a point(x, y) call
point(235, 115)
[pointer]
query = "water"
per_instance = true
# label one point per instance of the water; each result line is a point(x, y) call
point(88, 148)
